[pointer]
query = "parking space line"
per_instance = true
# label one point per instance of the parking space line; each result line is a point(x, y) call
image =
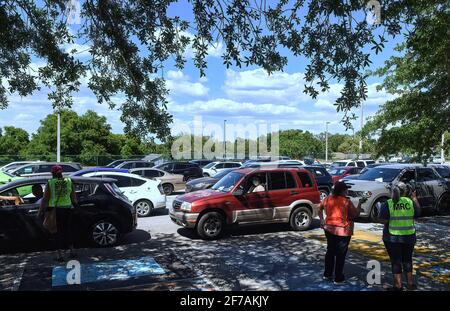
point(16, 283)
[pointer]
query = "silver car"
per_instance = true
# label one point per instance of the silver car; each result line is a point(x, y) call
point(375, 184)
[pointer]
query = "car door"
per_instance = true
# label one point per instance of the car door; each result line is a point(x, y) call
point(20, 223)
point(253, 206)
point(283, 190)
point(430, 187)
point(10, 228)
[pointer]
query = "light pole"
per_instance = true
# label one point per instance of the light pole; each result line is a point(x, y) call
point(442, 149)
point(224, 138)
point(362, 125)
point(326, 141)
point(58, 139)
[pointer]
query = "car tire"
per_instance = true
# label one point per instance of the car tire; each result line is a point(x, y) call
point(301, 219)
point(104, 233)
point(211, 226)
point(444, 205)
point(144, 208)
point(323, 194)
point(168, 189)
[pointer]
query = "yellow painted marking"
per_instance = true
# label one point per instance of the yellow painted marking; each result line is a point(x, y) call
point(371, 245)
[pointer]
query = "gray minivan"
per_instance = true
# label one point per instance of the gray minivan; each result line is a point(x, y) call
point(44, 169)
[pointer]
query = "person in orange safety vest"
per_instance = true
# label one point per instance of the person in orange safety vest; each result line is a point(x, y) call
point(338, 227)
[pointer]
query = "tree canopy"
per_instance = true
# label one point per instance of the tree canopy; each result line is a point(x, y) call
point(130, 42)
point(416, 119)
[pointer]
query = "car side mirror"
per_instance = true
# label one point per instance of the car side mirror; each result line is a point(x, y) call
point(238, 192)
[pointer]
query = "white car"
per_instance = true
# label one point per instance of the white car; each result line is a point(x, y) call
point(213, 168)
point(357, 163)
point(436, 160)
point(145, 194)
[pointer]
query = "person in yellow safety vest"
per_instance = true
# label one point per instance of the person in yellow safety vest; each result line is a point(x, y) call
point(399, 233)
point(60, 195)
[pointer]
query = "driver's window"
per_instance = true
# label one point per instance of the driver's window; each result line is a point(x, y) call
point(256, 183)
point(25, 192)
point(407, 176)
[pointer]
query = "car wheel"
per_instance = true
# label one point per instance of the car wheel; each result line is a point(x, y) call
point(143, 208)
point(301, 219)
point(210, 226)
point(168, 189)
point(373, 215)
point(205, 175)
point(444, 205)
point(104, 233)
point(323, 194)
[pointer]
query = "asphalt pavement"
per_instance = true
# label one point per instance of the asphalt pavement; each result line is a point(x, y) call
point(160, 255)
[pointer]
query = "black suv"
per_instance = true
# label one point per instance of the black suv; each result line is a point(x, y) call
point(103, 217)
point(188, 170)
point(201, 163)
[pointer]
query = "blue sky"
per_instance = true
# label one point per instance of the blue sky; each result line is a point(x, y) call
point(241, 96)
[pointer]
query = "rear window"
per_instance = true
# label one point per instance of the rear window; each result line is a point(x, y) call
point(281, 180)
point(137, 182)
point(122, 181)
point(69, 168)
point(305, 179)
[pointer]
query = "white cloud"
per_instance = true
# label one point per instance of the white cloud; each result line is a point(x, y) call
point(179, 84)
point(322, 103)
point(215, 50)
point(257, 86)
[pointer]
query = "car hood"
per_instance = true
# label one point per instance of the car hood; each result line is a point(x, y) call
point(206, 180)
point(201, 195)
point(365, 185)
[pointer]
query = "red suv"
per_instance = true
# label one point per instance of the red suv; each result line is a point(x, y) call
point(249, 196)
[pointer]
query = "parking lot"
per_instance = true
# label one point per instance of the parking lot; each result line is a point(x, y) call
point(264, 257)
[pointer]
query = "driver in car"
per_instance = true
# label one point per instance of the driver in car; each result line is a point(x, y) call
point(257, 184)
point(17, 199)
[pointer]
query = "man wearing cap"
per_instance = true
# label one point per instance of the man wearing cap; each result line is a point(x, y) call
point(60, 195)
point(338, 227)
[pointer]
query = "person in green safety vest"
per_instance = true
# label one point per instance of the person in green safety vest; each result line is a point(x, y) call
point(399, 233)
point(60, 195)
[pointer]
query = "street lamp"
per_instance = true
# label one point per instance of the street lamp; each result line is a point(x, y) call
point(326, 141)
point(224, 138)
point(362, 125)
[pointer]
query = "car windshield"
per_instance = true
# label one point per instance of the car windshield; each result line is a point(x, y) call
point(337, 172)
point(222, 173)
point(380, 174)
point(227, 182)
point(209, 165)
point(338, 164)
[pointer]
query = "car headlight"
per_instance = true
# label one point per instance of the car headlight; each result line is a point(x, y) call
point(186, 206)
point(367, 194)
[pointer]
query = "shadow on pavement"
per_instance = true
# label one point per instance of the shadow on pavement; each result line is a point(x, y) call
point(243, 230)
point(160, 212)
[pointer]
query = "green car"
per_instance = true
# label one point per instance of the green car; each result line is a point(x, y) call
point(6, 178)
